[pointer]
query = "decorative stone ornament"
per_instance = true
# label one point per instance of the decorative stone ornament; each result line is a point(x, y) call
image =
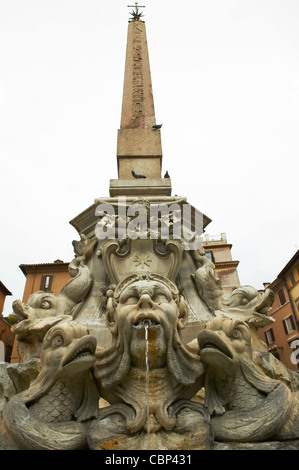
point(141, 256)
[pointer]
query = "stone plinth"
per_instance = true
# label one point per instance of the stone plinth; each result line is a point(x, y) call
point(140, 187)
point(86, 221)
point(139, 150)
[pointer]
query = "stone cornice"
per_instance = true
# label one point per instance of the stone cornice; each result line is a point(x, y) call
point(226, 264)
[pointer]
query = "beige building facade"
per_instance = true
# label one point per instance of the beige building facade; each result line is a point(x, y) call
point(282, 335)
point(218, 250)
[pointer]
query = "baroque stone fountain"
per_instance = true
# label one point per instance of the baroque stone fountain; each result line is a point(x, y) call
point(149, 388)
point(142, 348)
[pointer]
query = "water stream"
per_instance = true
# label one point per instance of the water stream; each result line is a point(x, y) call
point(146, 325)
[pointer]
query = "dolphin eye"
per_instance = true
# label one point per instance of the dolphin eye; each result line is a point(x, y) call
point(244, 301)
point(57, 341)
point(237, 334)
point(45, 304)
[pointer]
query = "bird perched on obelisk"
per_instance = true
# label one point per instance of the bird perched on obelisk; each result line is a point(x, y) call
point(137, 175)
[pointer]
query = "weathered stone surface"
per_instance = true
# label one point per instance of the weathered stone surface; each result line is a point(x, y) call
point(269, 445)
point(140, 143)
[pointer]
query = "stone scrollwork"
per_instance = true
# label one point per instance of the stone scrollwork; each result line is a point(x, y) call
point(121, 257)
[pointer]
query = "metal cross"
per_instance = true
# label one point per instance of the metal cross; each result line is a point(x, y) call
point(136, 14)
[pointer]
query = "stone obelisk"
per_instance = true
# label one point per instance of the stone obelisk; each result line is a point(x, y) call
point(139, 149)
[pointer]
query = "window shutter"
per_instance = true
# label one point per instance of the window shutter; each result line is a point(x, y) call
point(282, 297)
point(285, 327)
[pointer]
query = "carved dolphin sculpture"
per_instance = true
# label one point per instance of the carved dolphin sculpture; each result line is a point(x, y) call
point(248, 304)
point(54, 413)
point(44, 309)
point(246, 405)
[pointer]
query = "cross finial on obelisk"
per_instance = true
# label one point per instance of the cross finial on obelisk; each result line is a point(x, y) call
point(136, 15)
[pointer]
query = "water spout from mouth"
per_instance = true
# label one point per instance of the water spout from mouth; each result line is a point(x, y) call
point(146, 324)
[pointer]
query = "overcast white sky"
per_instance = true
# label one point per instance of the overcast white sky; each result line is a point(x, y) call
point(225, 78)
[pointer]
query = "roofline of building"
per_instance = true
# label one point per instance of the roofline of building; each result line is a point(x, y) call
point(273, 284)
point(289, 264)
point(211, 244)
point(4, 289)
point(25, 268)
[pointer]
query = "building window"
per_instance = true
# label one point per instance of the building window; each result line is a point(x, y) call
point(292, 278)
point(275, 353)
point(281, 296)
point(269, 336)
point(46, 283)
point(210, 255)
point(2, 352)
point(289, 324)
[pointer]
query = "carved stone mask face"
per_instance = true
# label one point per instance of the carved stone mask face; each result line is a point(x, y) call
point(154, 299)
point(153, 306)
point(151, 303)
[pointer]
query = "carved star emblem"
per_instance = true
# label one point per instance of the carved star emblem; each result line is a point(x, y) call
point(142, 260)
